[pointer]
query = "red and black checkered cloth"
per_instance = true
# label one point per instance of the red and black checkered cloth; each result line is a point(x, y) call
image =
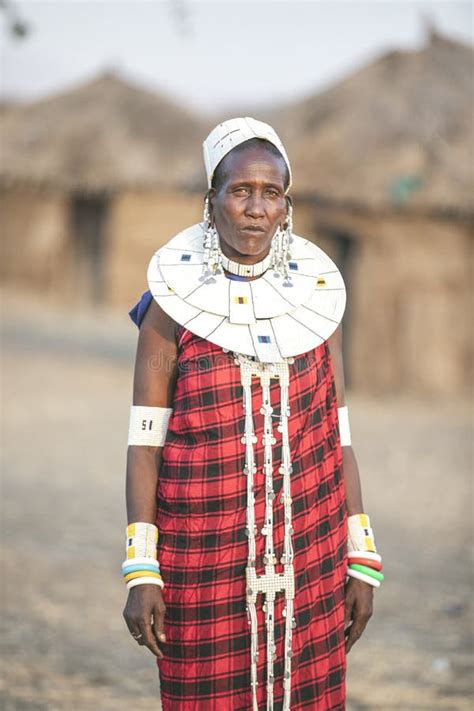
point(202, 545)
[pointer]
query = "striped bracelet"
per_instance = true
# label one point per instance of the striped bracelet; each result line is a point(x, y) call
point(362, 576)
point(141, 571)
point(362, 560)
point(367, 571)
point(145, 581)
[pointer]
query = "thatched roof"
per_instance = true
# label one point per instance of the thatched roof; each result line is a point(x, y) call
point(103, 135)
point(397, 132)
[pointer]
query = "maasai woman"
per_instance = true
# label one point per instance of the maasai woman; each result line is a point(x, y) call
point(242, 486)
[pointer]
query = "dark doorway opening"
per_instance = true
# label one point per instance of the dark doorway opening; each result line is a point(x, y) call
point(342, 247)
point(89, 217)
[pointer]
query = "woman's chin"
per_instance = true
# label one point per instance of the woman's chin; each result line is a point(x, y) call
point(252, 248)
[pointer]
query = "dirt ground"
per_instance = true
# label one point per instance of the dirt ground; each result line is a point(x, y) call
point(66, 395)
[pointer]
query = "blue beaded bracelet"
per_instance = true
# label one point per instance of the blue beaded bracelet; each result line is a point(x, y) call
point(141, 566)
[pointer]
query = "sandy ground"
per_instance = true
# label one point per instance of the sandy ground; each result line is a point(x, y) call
point(66, 394)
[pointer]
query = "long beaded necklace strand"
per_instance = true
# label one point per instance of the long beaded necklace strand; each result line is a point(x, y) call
point(271, 582)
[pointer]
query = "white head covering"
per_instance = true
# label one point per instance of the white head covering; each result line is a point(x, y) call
point(229, 134)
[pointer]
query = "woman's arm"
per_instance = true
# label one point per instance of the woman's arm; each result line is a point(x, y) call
point(359, 595)
point(153, 386)
point(154, 381)
point(349, 463)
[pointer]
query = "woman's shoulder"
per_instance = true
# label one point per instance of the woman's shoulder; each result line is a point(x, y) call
point(137, 313)
point(147, 310)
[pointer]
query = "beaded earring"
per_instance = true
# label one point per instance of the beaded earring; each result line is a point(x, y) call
point(212, 259)
point(280, 247)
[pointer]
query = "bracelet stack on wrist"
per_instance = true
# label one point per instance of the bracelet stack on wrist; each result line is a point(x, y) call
point(364, 562)
point(141, 566)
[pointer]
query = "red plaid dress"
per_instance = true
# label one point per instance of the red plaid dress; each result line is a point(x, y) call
point(202, 546)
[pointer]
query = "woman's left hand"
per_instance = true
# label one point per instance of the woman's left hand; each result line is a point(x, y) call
point(358, 609)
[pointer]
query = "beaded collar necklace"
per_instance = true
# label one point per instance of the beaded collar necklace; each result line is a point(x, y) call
point(269, 317)
point(249, 270)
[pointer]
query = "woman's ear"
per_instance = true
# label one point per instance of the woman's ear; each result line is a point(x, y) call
point(289, 210)
point(210, 195)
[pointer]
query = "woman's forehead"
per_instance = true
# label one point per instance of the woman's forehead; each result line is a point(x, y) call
point(256, 163)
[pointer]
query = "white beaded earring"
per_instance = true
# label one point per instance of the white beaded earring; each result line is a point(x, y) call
point(280, 248)
point(212, 260)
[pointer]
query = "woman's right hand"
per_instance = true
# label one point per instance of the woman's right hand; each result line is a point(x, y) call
point(144, 614)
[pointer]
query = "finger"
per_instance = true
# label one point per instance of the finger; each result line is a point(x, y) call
point(348, 607)
point(134, 630)
point(357, 628)
point(159, 625)
point(137, 635)
point(347, 615)
point(353, 634)
point(149, 640)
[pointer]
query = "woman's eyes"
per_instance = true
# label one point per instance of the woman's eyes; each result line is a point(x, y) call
point(271, 192)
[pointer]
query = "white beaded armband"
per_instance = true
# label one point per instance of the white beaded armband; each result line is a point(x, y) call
point(344, 430)
point(360, 536)
point(148, 425)
point(142, 539)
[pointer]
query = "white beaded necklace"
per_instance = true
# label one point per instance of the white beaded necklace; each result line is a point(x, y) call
point(250, 270)
point(268, 317)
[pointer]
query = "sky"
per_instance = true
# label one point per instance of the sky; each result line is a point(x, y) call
point(213, 55)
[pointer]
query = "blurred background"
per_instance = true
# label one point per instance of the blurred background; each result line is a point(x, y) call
point(104, 107)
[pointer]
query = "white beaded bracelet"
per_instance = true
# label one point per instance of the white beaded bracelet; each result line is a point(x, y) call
point(365, 554)
point(362, 576)
point(146, 581)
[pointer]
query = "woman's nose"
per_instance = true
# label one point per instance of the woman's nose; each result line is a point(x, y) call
point(255, 206)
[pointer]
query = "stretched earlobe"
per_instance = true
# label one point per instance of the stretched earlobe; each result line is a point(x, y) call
point(288, 225)
point(208, 208)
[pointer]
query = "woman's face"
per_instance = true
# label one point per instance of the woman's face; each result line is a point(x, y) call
point(250, 204)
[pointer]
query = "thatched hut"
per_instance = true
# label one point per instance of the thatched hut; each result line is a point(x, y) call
point(383, 166)
point(91, 181)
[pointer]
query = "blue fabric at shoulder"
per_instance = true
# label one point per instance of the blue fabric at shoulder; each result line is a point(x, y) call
point(139, 310)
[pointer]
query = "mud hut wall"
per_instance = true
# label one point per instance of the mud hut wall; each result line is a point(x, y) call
point(35, 240)
point(410, 283)
point(139, 223)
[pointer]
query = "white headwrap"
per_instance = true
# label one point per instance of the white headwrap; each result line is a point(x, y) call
point(229, 134)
